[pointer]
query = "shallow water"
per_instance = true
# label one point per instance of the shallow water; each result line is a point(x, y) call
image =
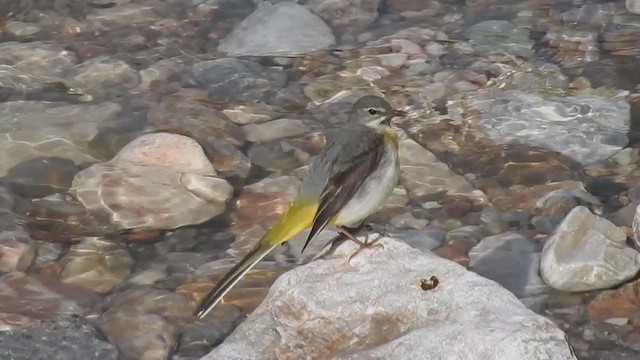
point(519, 97)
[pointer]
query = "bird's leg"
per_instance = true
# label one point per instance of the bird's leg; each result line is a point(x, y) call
point(363, 245)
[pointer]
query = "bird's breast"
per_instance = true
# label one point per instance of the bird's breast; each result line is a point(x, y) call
point(391, 137)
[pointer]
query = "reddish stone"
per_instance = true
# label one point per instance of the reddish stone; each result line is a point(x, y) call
point(50, 270)
point(458, 207)
point(455, 253)
point(143, 235)
point(622, 302)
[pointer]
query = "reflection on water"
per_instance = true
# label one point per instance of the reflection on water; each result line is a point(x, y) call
point(520, 111)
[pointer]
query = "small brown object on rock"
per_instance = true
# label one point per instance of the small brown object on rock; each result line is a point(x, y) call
point(429, 284)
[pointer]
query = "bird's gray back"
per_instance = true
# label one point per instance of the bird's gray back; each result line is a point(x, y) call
point(343, 146)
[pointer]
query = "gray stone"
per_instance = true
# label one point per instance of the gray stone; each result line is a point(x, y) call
point(96, 264)
point(104, 76)
point(636, 227)
point(31, 129)
point(587, 252)
point(470, 235)
point(123, 14)
point(546, 224)
point(158, 181)
point(37, 58)
point(235, 79)
point(512, 261)
point(633, 6)
point(375, 308)
point(407, 220)
point(426, 239)
point(284, 28)
point(500, 35)
point(422, 173)
point(139, 336)
point(393, 60)
point(586, 128)
point(17, 251)
point(21, 29)
point(274, 130)
point(346, 13)
point(61, 338)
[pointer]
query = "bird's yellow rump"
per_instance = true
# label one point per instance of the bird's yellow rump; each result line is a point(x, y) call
point(298, 217)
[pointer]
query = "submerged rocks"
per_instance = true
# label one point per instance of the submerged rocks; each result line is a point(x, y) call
point(274, 130)
point(623, 302)
point(232, 79)
point(585, 127)
point(500, 35)
point(513, 261)
point(26, 299)
point(96, 264)
point(587, 252)
point(144, 321)
point(636, 227)
point(389, 301)
point(346, 13)
point(17, 251)
point(157, 181)
point(61, 338)
point(280, 29)
point(32, 129)
point(423, 174)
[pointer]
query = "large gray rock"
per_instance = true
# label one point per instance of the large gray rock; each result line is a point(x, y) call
point(284, 28)
point(587, 252)
point(375, 308)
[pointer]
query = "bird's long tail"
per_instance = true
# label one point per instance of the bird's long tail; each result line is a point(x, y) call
point(298, 217)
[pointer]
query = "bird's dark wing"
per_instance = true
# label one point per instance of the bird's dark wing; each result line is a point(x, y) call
point(350, 160)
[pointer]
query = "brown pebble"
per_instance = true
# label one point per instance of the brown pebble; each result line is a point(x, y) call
point(453, 253)
point(143, 235)
point(50, 269)
point(622, 302)
point(580, 345)
point(580, 83)
point(429, 284)
point(458, 207)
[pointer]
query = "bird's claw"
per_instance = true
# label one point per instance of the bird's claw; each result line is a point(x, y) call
point(366, 244)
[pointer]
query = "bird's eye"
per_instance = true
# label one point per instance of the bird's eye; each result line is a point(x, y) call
point(372, 111)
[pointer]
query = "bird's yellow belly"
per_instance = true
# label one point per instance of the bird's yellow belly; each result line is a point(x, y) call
point(373, 192)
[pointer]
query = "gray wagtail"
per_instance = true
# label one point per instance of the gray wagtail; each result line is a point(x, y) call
point(348, 181)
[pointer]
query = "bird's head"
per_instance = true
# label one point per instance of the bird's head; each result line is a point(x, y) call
point(373, 111)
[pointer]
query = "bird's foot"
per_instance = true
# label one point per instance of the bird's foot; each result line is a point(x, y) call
point(362, 244)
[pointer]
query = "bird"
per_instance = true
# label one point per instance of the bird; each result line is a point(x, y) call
point(351, 177)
